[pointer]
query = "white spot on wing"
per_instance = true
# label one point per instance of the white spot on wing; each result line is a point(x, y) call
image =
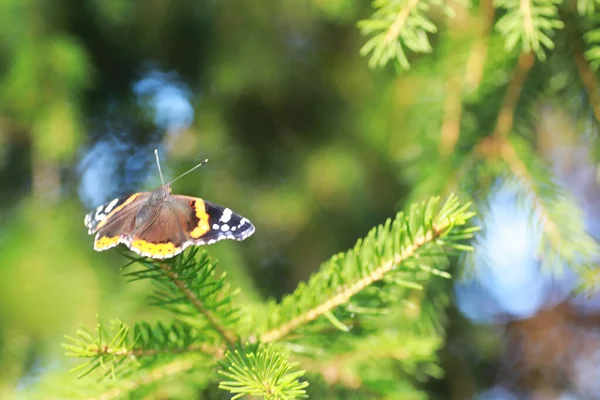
point(215, 226)
point(243, 221)
point(224, 227)
point(226, 215)
point(110, 205)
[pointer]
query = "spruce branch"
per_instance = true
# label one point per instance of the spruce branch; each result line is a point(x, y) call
point(479, 49)
point(496, 144)
point(147, 378)
point(505, 119)
point(587, 7)
point(592, 39)
point(586, 72)
point(590, 280)
point(585, 108)
point(396, 256)
point(396, 25)
point(393, 246)
point(551, 206)
point(118, 348)
point(450, 131)
point(530, 22)
point(186, 285)
point(466, 81)
point(198, 304)
point(564, 238)
point(262, 372)
point(189, 287)
point(412, 352)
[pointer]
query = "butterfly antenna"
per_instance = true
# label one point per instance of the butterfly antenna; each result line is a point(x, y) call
point(190, 170)
point(158, 163)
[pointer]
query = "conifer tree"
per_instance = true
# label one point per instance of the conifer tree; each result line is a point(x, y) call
point(358, 306)
point(370, 322)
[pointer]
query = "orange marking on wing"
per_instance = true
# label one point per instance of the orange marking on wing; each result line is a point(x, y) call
point(156, 249)
point(105, 242)
point(202, 216)
point(113, 212)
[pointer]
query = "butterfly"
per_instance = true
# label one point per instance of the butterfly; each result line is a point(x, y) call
point(159, 224)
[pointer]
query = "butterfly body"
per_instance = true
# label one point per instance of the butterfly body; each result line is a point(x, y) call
point(161, 225)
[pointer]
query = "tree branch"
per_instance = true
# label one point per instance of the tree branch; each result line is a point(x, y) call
point(589, 80)
point(345, 295)
point(528, 28)
point(126, 352)
point(156, 374)
point(479, 49)
point(399, 22)
point(228, 336)
point(506, 114)
point(519, 170)
point(450, 131)
point(493, 145)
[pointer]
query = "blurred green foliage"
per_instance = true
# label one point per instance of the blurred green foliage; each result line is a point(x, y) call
point(275, 88)
point(303, 138)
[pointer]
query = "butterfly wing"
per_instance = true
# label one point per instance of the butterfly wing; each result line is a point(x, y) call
point(114, 221)
point(98, 218)
point(205, 222)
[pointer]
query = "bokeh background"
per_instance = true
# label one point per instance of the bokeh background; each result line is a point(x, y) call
point(303, 139)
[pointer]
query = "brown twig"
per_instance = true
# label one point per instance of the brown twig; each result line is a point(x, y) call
point(452, 115)
point(497, 145)
point(126, 352)
point(506, 114)
point(229, 337)
point(493, 145)
point(478, 53)
point(589, 80)
point(472, 76)
point(519, 170)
